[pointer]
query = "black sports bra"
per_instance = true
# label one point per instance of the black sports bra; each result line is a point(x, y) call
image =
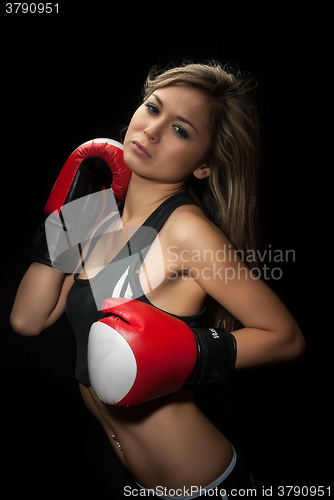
point(119, 278)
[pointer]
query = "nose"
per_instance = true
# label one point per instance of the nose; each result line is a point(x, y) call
point(152, 133)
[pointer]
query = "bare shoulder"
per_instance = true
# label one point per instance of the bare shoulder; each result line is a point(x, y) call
point(188, 226)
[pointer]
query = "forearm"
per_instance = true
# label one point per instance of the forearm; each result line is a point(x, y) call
point(256, 347)
point(37, 304)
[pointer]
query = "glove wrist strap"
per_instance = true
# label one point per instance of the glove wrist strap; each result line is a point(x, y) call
point(217, 351)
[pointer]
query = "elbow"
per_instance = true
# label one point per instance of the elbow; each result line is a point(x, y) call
point(296, 345)
point(23, 326)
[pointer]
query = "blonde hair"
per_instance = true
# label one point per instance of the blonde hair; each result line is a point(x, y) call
point(228, 195)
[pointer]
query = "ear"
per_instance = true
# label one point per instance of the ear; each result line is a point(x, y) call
point(202, 172)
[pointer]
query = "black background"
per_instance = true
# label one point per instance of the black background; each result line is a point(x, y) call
point(76, 76)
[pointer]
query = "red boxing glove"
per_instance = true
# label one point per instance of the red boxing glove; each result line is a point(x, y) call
point(136, 355)
point(91, 183)
point(94, 165)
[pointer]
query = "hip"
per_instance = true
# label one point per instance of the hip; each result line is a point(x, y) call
point(235, 482)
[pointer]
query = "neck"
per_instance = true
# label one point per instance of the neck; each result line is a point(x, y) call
point(143, 197)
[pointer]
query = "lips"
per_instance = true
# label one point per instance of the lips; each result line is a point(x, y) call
point(140, 149)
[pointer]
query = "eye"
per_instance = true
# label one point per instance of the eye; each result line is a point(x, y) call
point(181, 131)
point(152, 108)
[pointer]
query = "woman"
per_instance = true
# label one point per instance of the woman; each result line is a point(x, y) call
point(196, 131)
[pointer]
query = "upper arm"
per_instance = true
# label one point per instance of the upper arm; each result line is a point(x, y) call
point(219, 270)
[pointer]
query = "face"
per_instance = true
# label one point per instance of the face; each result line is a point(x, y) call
point(168, 135)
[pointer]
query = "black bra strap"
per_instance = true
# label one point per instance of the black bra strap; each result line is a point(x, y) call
point(158, 218)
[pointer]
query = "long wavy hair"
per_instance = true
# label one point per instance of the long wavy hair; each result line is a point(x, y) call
point(228, 195)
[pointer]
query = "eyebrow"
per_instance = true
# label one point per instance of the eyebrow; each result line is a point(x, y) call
point(184, 120)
